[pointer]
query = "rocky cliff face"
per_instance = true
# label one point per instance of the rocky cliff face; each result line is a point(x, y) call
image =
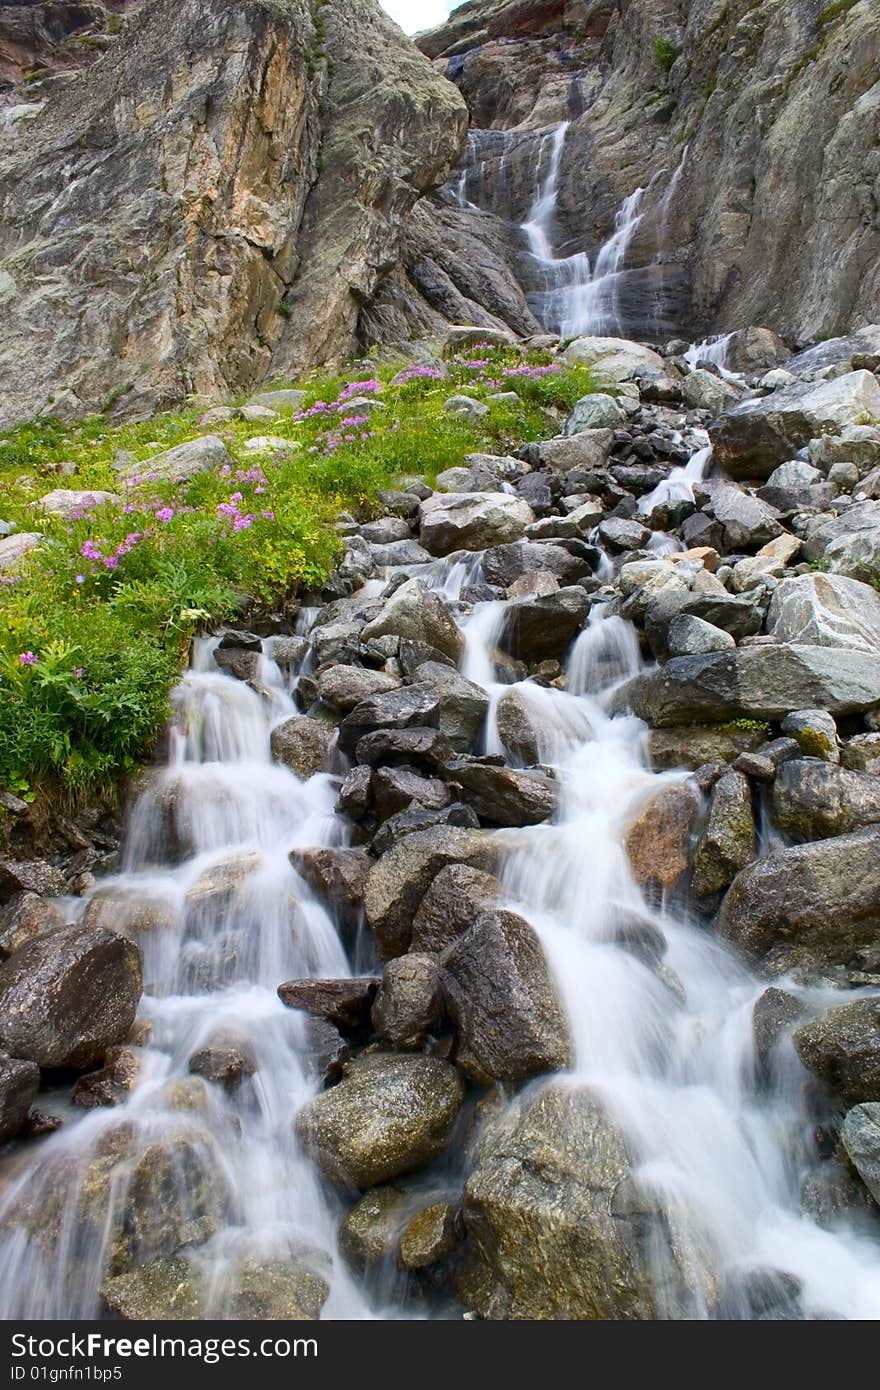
point(43, 43)
point(211, 203)
point(751, 125)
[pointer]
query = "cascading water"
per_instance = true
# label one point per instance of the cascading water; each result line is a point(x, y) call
point(668, 1047)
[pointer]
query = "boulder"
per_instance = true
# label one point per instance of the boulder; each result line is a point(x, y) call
point(504, 795)
point(503, 565)
point(456, 897)
point(689, 635)
point(761, 682)
point(343, 687)
point(542, 629)
point(19, 1083)
point(411, 706)
point(815, 733)
point(588, 450)
point(826, 610)
point(754, 437)
point(737, 614)
point(728, 840)
point(861, 753)
point(14, 548)
point(796, 485)
point(460, 336)
point(113, 1083)
point(463, 704)
point(338, 876)
point(838, 353)
point(393, 747)
point(370, 1230)
point(754, 349)
point(183, 462)
point(813, 800)
point(518, 728)
point(554, 1221)
point(390, 1114)
point(408, 1005)
point(398, 881)
point(773, 1017)
point(252, 1290)
point(618, 534)
point(420, 818)
point(694, 745)
point(69, 995)
point(419, 615)
point(284, 398)
point(849, 543)
point(30, 876)
point(429, 1236)
point(746, 521)
point(396, 788)
point(702, 390)
point(814, 904)
point(69, 503)
point(597, 411)
point(471, 521)
point(303, 745)
point(860, 1139)
point(25, 916)
point(615, 359)
point(344, 1003)
point(842, 1047)
point(657, 841)
point(509, 1022)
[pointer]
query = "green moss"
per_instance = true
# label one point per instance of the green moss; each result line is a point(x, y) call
point(664, 53)
point(815, 744)
point(834, 11)
point(739, 726)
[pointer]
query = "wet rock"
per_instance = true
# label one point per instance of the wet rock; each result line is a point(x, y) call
point(757, 435)
point(657, 842)
point(760, 682)
point(826, 610)
point(408, 1005)
point(619, 534)
point(343, 687)
point(396, 788)
point(19, 1083)
point(456, 897)
point(463, 704)
point(131, 914)
point(814, 904)
point(504, 795)
point(813, 800)
point(326, 1051)
point(24, 916)
point(842, 1047)
point(399, 880)
point(391, 1114)
point(542, 629)
point(429, 1236)
point(505, 564)
point(597, 411)
point(728, 841)
point(773, 1017)
point(303, 745)
point(418, 818)
point(69, 995)
point(419, 615)
point(518, 728)
point(502, 1000)
point(691, 636)
point(831, 1193)
point(472, 521)
point(397, 747)
point(338, 877)
point(860, 1138)
point(344, 1003)
point(113, 1083)
point(555, 1226)
point(412, 706)
point(369, 1232)
point(226, 1058)
point(254, 1290)
point(241, 662)
point(815, 733)
point(30, 876)
point(694, 745)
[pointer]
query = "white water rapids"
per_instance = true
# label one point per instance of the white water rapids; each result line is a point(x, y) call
point(671, 1052)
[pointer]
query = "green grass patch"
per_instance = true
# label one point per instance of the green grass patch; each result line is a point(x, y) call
point(96, 623)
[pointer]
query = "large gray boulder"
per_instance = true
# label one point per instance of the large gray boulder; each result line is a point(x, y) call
point(746, 521)
point(588, 449)
point(504, 795)
point(814, 799)
point(554, 1218)
point(184, 461)
point(455, 899)
point(860, 1137)
point(598, 411)
point(390, 1114)
point(813, 905)
point(508, 1019)
point(419, 615)
point(303, 745)
point(826, 610)
point(412, 706)
point(69, 995)
point(843, 1048)
point(542, 629)
point(505, 564)
point(615, 359)
point(343, 686)
point(849, 543)
point(471, 520)
point(762, 682)
point(399, 880)
point(463, 705)
point(751, 440)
